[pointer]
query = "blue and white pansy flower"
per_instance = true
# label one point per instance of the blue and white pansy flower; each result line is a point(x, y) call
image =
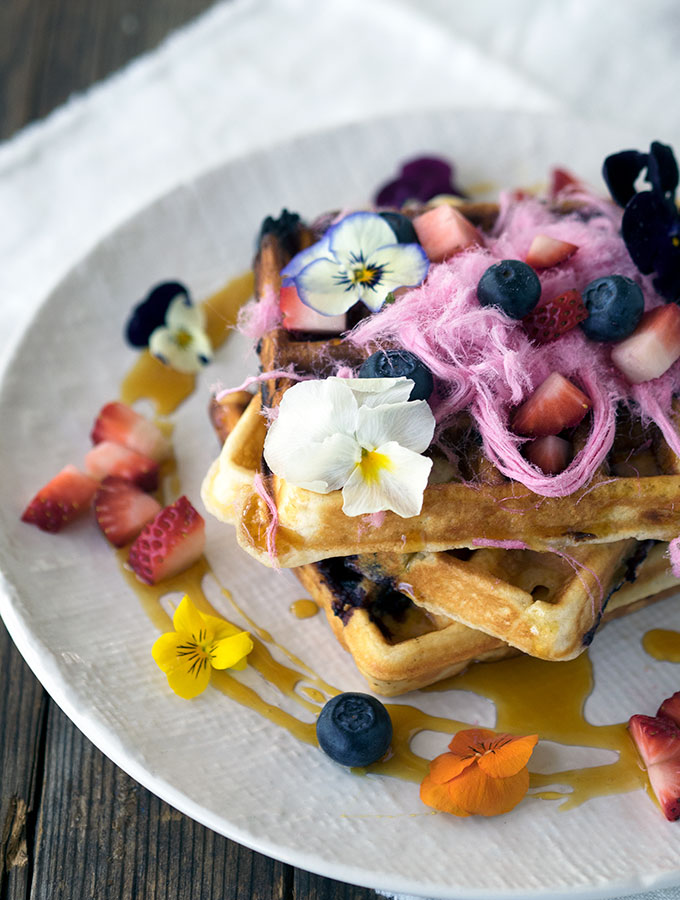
point(181, 342)
point(358, 258)
point(362, 436)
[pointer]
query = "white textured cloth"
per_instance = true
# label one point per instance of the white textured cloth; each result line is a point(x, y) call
point(249, 73)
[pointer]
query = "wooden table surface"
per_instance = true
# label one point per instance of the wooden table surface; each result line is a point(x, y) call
point(73, 825)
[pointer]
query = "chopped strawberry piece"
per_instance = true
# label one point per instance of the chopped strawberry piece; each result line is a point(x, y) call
point(444, 231)
point(670, 708)
point(562, 181)
point(122, 424)
point(64, 498)
point(546, 251)
point(658, 742)
point(107, 458)
point(299, 317)
point(652, 348)
point(551, 318)
point(551, 454)
point(169, 544)
point(123, 509)
point(554, 405)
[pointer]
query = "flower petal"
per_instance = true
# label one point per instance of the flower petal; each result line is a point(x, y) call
point(183, 351)
point(220, 627)
point(403, 265)
point(322, 467)
point(229, 651)
point(183, 315)
point(325, 286)
point(164, 650)
point(439, 797)
point(377, 391)
point(187, 620)
point(357, 236)
point(397, 483)
point(302, 259)
point(471, 740)
point(449, 765)
point(507, 755)
point(479, 794)
point(188, 683)
point(411, 424)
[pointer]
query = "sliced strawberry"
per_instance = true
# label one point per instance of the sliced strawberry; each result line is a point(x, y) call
point(444, 231)
point(551, 454)
point(652, 348)
point(299, 317)
point(562, 181)
point(554, 405)
point(546, 251)
point(122, 424)
point(170, 543)
point(64, 498)
point(107, 458)
point(658, 742)
point(122, 509)
point(670, 708)
point(551, 318)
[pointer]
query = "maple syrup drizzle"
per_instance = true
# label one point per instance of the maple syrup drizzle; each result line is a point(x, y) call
point(304, 609)
point(530, 695)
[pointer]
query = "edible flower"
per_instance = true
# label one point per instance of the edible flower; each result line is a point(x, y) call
point(198, 644)
point(419, 179)
point(484, 773)
point(358, 258)
point(181, 341)
point(650, 226)
point(359, 435)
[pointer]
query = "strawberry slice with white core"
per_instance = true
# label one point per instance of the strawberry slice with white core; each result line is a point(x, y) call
point(169, 544)
point(556, 404)
point(562, 181)
point(122, 424)
point(551, 454)
point(658, 742)
point(64, 498)
point(109, 458)
point(546, 251)
point(670, 708)
point(299, 317)
point(444, 231)
point(122, 509)
point(652, 348)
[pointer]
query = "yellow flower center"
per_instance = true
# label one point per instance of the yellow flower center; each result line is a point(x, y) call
point(365, 275)
point(182, 338)
point(198, 652)
point(372, 464)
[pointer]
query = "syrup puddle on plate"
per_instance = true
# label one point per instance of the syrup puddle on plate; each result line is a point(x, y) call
point(523, 690)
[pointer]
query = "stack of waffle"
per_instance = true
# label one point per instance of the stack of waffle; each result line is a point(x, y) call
point(416, 600)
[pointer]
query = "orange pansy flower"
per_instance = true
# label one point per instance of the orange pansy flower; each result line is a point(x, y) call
point(484, 773)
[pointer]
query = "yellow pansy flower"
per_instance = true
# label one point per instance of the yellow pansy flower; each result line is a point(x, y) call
point(198, 644)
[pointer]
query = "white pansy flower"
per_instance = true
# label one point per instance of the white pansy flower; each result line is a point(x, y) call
point(359, 258)
point(359, 435)
point(181, 342)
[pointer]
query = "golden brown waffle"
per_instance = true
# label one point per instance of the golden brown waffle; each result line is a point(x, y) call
point(399, 645)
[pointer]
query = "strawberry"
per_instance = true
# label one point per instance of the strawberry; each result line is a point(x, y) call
point(107, 458)
point(556, 404)
point(670, 708)
point(299, 317)
point(562, 181)
point(551, 318)
point(550, 453)
point(168, 544)
point(652, 348)
point(546, 251)
point(122, 424)
point(61, 500)
point(658, 742)
point(122, 509)
point(444, 231)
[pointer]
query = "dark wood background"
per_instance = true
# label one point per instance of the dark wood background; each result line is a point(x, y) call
point(72, 825)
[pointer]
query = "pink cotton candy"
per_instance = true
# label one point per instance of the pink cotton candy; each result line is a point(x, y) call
point(258, 317)
point(260, 489)
point(501, 545)
point(288, 372)
point(674, 554)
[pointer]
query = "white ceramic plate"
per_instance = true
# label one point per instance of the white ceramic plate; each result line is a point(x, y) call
point(86, 636)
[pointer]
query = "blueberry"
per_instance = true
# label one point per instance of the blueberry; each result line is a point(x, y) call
point(150, 313)
point(402, 227)
point(511, 285)
point(354, 729)
point(395, 363)
point(615, 305)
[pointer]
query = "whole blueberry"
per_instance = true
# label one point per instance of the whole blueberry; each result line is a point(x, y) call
point(395, 363)
point(150, 313)
point(401, 226)
point(354, 729)
point(615, 305)
point(511, 285)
